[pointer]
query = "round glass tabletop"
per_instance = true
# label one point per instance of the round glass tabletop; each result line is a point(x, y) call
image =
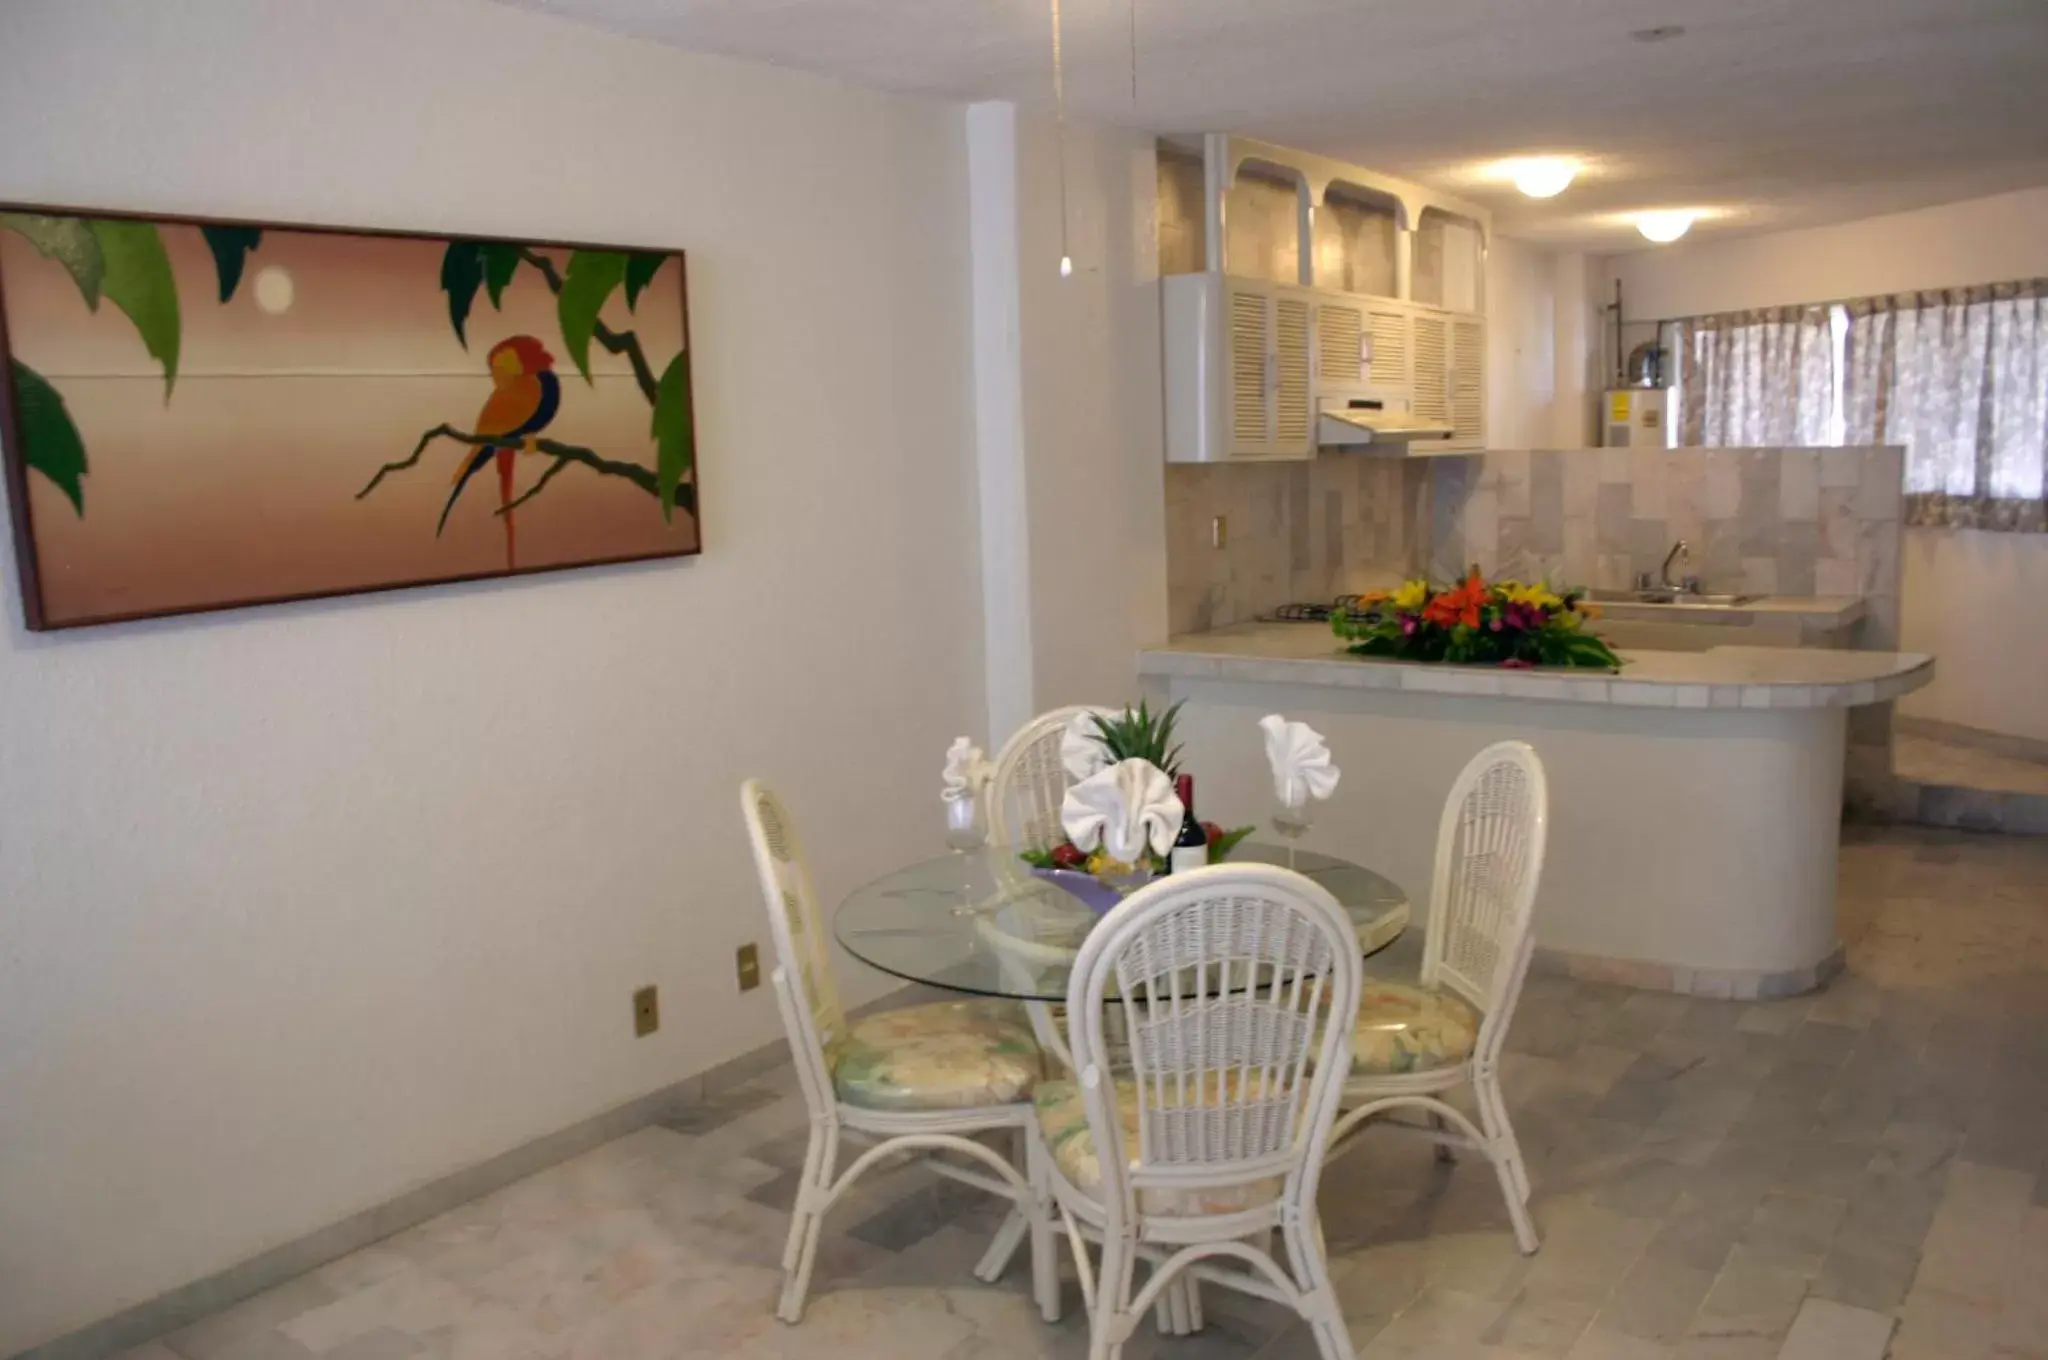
point(983, 923)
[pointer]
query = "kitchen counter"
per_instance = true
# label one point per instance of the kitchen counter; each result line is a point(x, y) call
point(1718, 677)
point(1695, 798)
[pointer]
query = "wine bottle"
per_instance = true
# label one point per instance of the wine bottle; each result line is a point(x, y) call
point(1191, 847)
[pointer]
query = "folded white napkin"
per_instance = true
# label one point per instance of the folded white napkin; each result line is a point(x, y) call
point(1123, 809)
point(1081, 749)
point(966, 770)
point(1300, 761)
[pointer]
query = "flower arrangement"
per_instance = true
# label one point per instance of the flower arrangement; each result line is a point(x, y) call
point(1477, 622)
point(1096, 744)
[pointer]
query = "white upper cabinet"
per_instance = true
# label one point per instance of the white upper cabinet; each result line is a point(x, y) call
point(1238, 359)
point(1273, 262)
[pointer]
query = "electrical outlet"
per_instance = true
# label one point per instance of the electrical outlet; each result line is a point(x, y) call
point(749, 967)
point(1219, 531)
point(646, 1012)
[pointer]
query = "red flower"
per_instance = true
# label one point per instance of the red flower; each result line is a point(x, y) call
point(1460, 605)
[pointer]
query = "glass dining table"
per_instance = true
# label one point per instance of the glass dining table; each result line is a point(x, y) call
point(982, 923)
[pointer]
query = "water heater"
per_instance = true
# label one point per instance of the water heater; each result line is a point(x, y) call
point(1636, 417)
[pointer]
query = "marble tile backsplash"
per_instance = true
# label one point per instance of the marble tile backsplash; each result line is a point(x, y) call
point(1758, 521)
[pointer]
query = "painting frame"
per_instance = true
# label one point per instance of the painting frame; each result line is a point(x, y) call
point(16, 467)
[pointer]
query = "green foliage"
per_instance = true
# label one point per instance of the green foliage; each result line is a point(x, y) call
point(230, 247)
point(641, 267)
point(1220, 848)
point(70, 242)
point(462, 273)
point(589, 281)
point(500, 261)
point(674, 439)
point(138, 280)
point(49, 441)
point(1139, 734)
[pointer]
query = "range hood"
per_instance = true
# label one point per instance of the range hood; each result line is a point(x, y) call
point(1384, 423)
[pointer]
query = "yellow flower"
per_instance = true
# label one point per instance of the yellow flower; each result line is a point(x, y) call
point(1411, 594)
point(1536, 596)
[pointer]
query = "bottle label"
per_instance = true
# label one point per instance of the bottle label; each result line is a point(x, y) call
point(1189, 857)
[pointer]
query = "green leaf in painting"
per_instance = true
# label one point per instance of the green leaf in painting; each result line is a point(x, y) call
point(500, 261)
point(588, 282)
point(462, 270)
point(641, 267)
point(68, 241)
point(139, 281)
point(49, 441)
point(674, 441)
point(230, 247)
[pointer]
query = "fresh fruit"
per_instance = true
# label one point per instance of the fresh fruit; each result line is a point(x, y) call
point(1102, 866)
point(1212, 832)
point(1067, 855)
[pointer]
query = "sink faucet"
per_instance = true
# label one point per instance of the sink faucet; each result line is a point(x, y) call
point(1680, 552)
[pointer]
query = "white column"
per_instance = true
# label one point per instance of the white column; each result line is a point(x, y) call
point(994, 231)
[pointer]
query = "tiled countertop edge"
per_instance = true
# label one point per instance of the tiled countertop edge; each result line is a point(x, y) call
point(1552, 686)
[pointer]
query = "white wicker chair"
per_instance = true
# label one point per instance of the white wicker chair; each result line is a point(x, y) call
point(1415, 1043)
point(1030, 783)
point(1216, 1137)
point(916, 1108)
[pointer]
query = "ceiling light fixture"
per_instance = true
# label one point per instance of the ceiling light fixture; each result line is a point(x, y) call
point(1545, 176)
point(1666, 226)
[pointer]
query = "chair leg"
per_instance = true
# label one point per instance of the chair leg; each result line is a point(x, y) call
point(1045, 1263)
point(1445, 1153)
point(1506, 1154)
point(1311, 1270)
point(1111, 1322)
point(808, 1222)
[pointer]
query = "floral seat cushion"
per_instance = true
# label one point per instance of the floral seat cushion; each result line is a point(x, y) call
point(1404, 1028)
point(945, 1056)
point(1063, 1119)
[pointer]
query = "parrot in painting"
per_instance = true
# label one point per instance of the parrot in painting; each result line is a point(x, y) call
point(525, 394)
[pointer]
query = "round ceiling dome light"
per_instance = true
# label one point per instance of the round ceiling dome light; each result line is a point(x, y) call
point(1667, 226)
point(1545, 176)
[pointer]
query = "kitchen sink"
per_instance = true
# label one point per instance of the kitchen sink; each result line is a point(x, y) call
point(1679, 599)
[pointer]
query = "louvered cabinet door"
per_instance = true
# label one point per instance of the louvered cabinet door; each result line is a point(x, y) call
point(1389, 331)
point(1467, 384)
point(1252, 371)
point(1342, 349)
point(1432, 357)
point(1293, 407)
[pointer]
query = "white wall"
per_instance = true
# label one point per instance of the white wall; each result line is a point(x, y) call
point(1538, 327)
point(305, 906)
point(1972, 599)
point(1073, 484)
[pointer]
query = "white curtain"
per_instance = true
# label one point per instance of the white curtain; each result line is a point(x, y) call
point(1758, 379)
point(1960, 378)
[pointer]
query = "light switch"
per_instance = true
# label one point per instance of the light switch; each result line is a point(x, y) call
point(1219, 532)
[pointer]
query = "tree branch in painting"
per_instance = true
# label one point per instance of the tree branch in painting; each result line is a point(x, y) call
point(563, 454)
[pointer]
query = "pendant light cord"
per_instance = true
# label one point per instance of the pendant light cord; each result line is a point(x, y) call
point(1059, 118)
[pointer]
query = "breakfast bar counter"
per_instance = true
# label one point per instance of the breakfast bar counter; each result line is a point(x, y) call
point(1695, 797)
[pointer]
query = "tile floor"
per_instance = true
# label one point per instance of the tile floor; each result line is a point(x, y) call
point(1713, 1179)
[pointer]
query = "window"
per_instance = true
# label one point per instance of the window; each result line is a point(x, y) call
point(1958, 377)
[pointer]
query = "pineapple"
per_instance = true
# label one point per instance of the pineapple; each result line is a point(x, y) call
point(1139, 735)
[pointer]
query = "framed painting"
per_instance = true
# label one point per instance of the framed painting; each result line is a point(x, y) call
point(206, 414)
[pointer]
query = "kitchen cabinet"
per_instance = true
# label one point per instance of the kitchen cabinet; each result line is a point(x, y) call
point(1239, 369)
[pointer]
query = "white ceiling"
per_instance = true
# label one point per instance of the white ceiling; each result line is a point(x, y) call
point(1766, 113)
